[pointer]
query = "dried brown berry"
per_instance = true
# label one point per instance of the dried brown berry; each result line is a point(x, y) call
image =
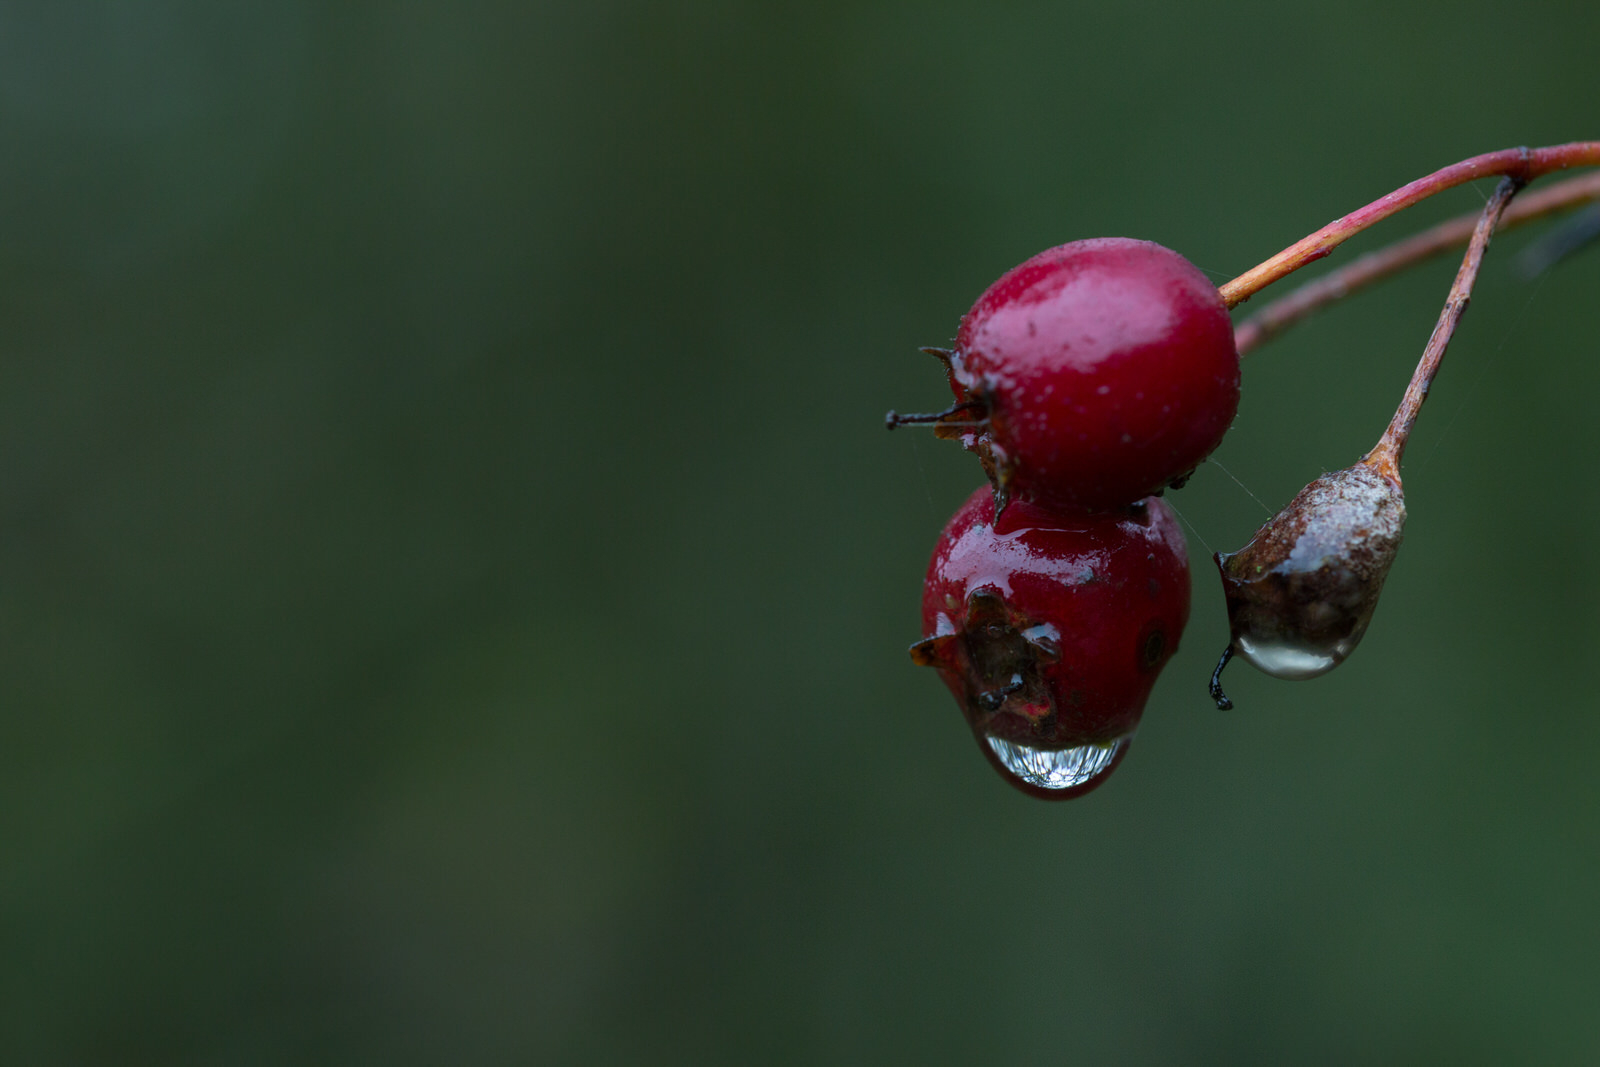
point(1302, 592)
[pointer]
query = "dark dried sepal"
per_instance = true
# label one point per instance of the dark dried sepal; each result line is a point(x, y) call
point(939, 651)
point(996, 657)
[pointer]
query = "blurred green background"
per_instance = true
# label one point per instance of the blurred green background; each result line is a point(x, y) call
point(454, 582)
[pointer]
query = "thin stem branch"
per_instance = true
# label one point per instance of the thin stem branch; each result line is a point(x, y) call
point(1375, 266)
point(1523, 164)
point(1385, 458)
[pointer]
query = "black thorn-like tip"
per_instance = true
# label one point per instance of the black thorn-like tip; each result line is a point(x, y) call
point(932, 418)
point(1223, 703)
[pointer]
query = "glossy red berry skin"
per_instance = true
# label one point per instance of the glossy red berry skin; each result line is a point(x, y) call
point(1050, 631)
point(1098, 372)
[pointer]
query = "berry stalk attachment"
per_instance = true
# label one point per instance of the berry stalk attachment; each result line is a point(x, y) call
point(1302, 592)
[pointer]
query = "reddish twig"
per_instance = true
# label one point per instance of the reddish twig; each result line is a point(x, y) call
point(1375, 266)
point(1522, 164)
point(1385, 458)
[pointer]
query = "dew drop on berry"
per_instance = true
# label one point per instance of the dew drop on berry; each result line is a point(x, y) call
point(1065, 768)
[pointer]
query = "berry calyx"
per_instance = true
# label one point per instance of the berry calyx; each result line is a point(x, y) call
point(1092, 375)
point(1050, 630)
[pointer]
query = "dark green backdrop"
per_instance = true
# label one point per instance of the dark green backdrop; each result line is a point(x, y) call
point(454, 584)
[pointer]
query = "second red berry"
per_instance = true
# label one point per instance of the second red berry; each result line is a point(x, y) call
point(1050, 630)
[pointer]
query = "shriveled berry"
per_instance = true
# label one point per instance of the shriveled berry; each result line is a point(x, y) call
point(1051, 630)
point(1301, 593)
point(1092, 375)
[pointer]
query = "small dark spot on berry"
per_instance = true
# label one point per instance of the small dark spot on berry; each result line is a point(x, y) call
point(1153, 649)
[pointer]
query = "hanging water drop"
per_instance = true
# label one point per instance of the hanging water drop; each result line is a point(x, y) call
point(1294, 662)
point(1056, 770)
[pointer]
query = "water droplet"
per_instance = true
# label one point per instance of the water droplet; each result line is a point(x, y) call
point(1056, 768)
point(1292, 662)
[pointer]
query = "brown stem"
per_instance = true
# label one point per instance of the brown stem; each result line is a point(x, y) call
point(1523, 164)
point(1375, 266)
point(1385, 458)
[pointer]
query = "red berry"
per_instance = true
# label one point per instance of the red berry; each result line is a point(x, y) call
point(1050, 630)
point(1094, 374)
